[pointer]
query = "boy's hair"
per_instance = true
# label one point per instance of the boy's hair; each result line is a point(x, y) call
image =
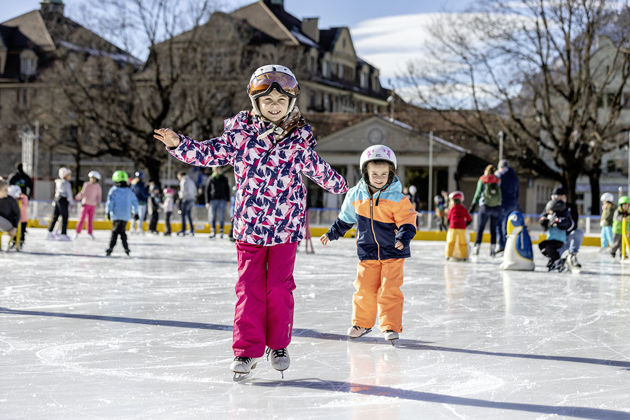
point(121, 184)
point(456, 200)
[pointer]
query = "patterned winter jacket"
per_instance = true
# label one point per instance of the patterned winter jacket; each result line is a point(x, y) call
point(381, 221)
point(270, 195)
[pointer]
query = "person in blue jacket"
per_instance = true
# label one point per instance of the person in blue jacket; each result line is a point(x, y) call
point(121, 202)
point(510, 190)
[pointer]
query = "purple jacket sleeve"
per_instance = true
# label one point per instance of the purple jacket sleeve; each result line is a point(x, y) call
point(218, 151)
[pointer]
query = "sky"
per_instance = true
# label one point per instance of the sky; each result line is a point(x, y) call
point(386, 34)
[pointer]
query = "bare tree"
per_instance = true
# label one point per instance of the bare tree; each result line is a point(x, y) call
point(551, 75)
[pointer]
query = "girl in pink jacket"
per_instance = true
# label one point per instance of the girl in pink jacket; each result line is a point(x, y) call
point(90, 197)
point(269, 148)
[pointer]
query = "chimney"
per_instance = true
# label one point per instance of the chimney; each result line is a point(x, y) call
point(310, 29)
point(51, 7)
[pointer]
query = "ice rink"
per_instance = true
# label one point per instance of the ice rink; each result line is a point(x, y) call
point(149, 337)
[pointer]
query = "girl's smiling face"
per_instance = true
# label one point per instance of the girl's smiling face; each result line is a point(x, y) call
point(378, 173)
point(274, 106)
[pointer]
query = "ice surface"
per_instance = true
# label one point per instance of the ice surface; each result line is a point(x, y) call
point(149, 337)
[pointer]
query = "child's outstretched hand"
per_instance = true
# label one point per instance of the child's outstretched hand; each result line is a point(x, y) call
point(166, 136)
point(399, 246)
point(324, 239)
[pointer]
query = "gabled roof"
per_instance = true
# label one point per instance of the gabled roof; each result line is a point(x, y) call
point(32, 26)
point(261, 17)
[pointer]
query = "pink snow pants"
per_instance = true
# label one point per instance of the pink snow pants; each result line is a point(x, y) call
point(86, 210)
point(264, 292)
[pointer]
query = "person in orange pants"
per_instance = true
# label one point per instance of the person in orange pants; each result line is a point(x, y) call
point(386, 223)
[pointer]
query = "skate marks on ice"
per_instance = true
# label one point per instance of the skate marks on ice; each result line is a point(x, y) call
point(402, 344)
point(386, 391)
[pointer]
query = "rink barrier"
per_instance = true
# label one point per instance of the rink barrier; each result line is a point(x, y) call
point(321, 219)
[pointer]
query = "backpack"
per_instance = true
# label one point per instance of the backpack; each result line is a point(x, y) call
point(492, 194)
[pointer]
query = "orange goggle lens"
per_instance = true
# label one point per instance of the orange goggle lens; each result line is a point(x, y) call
point(264, 83)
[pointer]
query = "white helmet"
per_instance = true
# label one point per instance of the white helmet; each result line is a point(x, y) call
point(607, 197)
point(377, 152)
point(413, 189)
point(15, 191)
point(456, 195)
point(270, 77)
point(94, 174)
point(64, 172)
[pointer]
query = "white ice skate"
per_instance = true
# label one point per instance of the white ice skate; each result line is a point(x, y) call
point(571, 261)
point(279, 359)
point(63, 238)
point(242, 367)
point(51, 236)
point(391, 336)
point(476, 249)
point(355, 331)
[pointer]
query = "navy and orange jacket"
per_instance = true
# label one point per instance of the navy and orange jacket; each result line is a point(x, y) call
point(381, 220)
point(458, 217)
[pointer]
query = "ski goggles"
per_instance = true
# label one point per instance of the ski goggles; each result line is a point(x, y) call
point(266, 82)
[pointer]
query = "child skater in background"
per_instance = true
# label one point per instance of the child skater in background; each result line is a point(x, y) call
point(622, 212)
point(63, 195)
point(606, 220)
point(458, 219)
point(386, 223)
point(121, 202)
point(269, 148)
point(556, 220)
point(167, 206)
point(91, 195)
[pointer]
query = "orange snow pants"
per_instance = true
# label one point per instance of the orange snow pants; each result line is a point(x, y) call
point(456, 243)
point(378, 289)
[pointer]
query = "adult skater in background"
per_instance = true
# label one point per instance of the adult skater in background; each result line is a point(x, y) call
point(510, 190)
point(22, 180)
point(606, 221)
point(571, 247)
point(9, 211)
point(187, 195)
point(269, 148)
point(488, 196)
point(217, 193)
point(386, 223)
point(141, 192)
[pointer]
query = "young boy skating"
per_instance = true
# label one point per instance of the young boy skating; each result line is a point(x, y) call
point(386, 223)
point(458, 218)
point(121, 201)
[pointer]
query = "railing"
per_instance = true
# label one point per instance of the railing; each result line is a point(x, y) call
point(42, 210)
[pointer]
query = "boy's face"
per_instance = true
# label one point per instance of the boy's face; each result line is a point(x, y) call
point(378, 173)
point(4, 191)
point(625, 207)
point(274, 106)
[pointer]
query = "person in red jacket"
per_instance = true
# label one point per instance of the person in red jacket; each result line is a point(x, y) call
point(458, 219)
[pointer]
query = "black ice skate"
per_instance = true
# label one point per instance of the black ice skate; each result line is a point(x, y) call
point(242, 367)
point(279, 359)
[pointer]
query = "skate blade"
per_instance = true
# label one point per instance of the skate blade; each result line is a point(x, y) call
point(241, 376)
point(393, 342)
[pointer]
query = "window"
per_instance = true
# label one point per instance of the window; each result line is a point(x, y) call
point(363, 79)
point(325, 68)
point(28, 63)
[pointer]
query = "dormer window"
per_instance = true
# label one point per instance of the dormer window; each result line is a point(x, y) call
point(28, 63)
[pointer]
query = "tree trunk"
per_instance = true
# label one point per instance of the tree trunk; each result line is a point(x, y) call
point(593, 179)
point(569, 182)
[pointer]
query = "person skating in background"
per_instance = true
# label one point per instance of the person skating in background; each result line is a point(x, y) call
point(91, 196)
point(167, 206)
point(556, 220)
point(22, 180)
point(9, 211)
point(571, 247)
point(269, 148)
point(606, 221)
point(217, 193)
point(16, 192)
point(622, 212)
point(121, 203)
point(155, 204)
point(386, 223)
point(187, 195)
point(510, 191)
point(63, 195)
point(441, 209)
point(488, 196)
point(142, 195)
point(458, 219)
